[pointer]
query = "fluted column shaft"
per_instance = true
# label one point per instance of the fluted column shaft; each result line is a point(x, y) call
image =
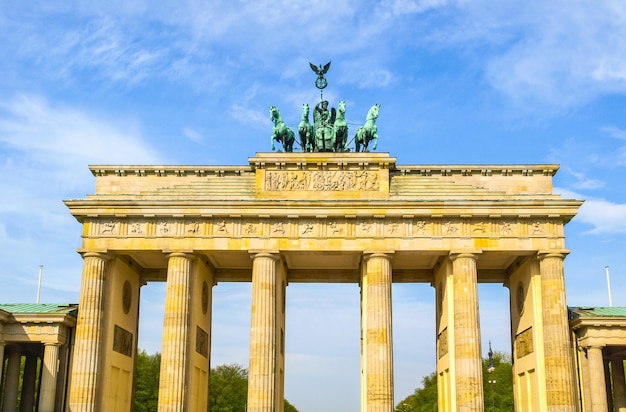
point(27, 400)
point(619, 385)
point(597, 381)
point(50, 368)
point(86, 371)
point(466, 326)
point(377, 329)
point(176, 335)
point(559, 373)
point(12, 378)
point(262, 373)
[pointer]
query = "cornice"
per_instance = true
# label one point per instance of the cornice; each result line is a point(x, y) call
point(336, 162)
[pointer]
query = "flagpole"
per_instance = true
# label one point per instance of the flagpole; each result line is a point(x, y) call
point(39, 283)
point(608, 282)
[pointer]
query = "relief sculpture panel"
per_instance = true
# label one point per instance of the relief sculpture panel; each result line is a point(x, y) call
point(524, 343)
point(322, 180)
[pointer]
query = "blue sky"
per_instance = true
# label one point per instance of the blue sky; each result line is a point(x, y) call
point(472, 81)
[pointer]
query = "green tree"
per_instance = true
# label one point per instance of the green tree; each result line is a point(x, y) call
point(498, 395)
point(228, 389)
point(289, 407)
point(424, 399)
point(147, 382)
point(228, 386)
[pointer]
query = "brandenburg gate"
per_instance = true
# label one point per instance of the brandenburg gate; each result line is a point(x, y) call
point(321, 217)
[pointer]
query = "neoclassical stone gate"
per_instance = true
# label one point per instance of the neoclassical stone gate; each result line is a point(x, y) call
point(321, 217)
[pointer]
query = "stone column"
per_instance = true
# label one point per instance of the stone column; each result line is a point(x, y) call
point(560, 390)
point(86, 368)
point(468, 371)
point(176, 335)
point(2, 344)
point(12, 378)
point(377, 333)
point(263, 345)
point(596, 379)
point(619, 385)
point(607, 380)
point(49, 371)
point(27, 400)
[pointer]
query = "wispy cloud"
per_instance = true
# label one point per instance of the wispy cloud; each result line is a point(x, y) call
point(44, 153)
point(401, 7)
point(63, 136)
point(585, 183)
point(615, 132)
point(192, 134)
point(604, 216)
point(566, 53)
point(250, 116)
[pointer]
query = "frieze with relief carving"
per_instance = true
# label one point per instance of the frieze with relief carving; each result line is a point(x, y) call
point(322, 180)
point(376, 226)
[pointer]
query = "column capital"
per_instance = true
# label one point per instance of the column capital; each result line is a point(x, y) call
point(465, 254)
point(180, 253)
point(546, 254)
point(272, 254)
point(378, 254)
point(102, 254)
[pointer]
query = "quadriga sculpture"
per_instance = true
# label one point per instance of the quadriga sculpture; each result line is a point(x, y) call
point(282, 133)
point(368, 132)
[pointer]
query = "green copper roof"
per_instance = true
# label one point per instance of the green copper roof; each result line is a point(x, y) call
point(597, 312)
point(39, 308)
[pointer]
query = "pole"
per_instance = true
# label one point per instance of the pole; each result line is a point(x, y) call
point(608, 282)
point(39, 283)
point(491, 368)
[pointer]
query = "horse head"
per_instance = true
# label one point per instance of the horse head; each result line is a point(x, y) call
point(341, 107)
point(305, 111)
point(274, 114)
point(372, 114)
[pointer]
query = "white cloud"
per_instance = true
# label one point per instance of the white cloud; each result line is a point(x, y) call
point(192, 135)
point(565, 53)
point(64, 136)
point(44, 153)
point(604, 216)
point(615, 132)
point(250, 116)
point(400, 7)
point(585, 183)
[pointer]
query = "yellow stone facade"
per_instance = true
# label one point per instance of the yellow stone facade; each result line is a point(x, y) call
point(599, 338)
point(322, 217)
point(36, 342)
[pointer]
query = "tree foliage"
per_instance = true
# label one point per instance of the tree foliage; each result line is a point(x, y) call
point(498, 395)
point(289, 407)
point(147, 382)
point(228, 386)
point(229, 389)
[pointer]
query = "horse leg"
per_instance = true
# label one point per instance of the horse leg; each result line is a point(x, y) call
point(272, 141)
point(290, 140)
